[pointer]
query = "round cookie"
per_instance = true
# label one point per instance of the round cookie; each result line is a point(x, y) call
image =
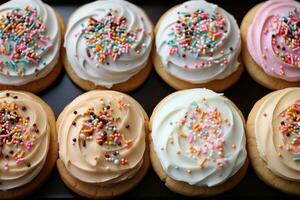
point(27, 66)
point(182, 158)
point(97, 56)
point(197, 45)
point(103, 149)
point(274, 161)
point(266, 68)
point(38, 146)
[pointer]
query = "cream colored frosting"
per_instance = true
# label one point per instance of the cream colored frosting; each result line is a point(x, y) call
point(271, 143)
point(205, 63)
point(198, 136)
point(20, 163)
point(85, 153)
point(109, 71)
point(49, 56)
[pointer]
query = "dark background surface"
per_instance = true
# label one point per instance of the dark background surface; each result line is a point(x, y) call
point(244, 93)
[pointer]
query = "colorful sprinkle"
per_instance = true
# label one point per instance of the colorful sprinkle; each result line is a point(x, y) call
point(286, 38)
point(109, 37)
point(15, 133)
point(199, 33)
point(202, 129)
point(296, 158)
point(102, 127)
point(23, 40)
point(290, 128)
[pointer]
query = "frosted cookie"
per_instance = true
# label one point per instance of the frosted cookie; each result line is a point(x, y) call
point(271, 41)
point(197, 45)
point(30, 40)
point(198, 144)
point(273, 140)
point(102, 144)
point(28, 147)
point(107, 46)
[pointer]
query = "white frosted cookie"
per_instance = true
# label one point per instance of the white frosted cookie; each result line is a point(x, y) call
point(108, 44)
point(197, 45)
point(198, 142)
point(30, 41)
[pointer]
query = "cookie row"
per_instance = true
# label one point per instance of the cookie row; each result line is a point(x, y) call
point(102, 141)
point(107, 44)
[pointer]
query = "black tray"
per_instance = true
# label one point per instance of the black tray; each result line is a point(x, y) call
point(244, 93)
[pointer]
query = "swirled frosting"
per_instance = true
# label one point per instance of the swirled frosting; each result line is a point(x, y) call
point(198, 137)
point(273, 39)
point(108, 42)
point(29, 41)
point(198, 42)
point(277, 132)
point(101, 137)
point(24, 139)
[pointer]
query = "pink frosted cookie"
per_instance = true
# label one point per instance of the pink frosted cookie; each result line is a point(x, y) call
point(271, 37)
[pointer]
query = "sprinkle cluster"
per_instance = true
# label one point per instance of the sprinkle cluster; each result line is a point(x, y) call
point(199, 33)
point(23, 40)
point(202, 129)
point(109, 37)
point(17, 137)
point(290, 128)
point(102, 127)
point(286, 38)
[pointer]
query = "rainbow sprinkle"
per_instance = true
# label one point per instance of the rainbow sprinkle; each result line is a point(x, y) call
point(199, 33)
point(102, 128)
point(23, 40)
point(109, 37)
point(16, 136)
point(290, 128)
point(287, 31)
point(202, 129)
